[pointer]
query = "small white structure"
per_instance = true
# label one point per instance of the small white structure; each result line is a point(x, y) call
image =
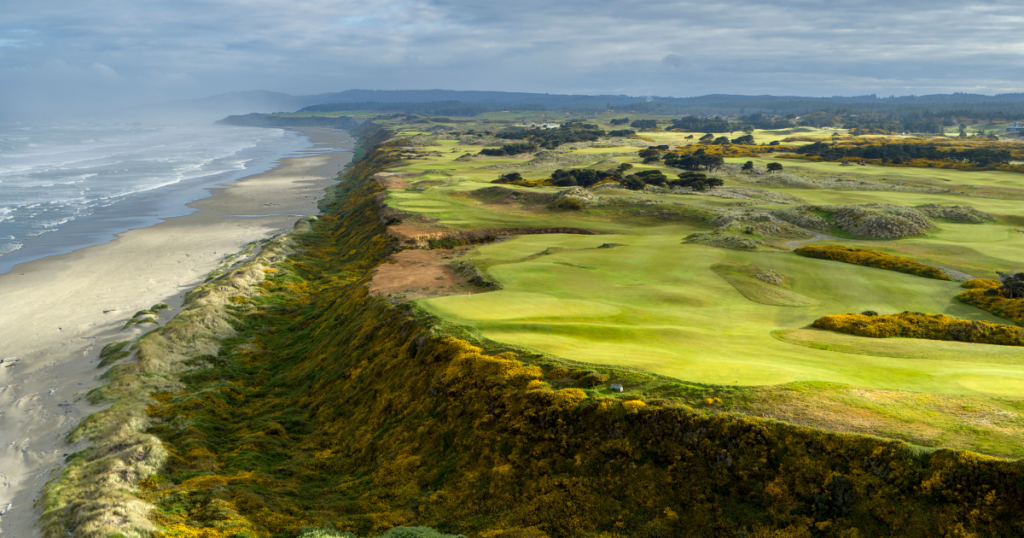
point(1015, 128)
point(616, 387)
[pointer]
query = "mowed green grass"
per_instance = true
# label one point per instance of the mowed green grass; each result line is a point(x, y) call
point(656, 304)
point(939, 177)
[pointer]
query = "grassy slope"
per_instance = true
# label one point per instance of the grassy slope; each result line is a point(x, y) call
point(333, 408)
point(656, 305)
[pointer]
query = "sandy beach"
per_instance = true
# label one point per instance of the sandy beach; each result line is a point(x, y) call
point(58, 312)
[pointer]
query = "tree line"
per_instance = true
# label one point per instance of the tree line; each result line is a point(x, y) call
point(568, 132)
point(899, 153)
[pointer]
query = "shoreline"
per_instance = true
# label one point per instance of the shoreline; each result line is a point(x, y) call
point(150, 207)
point(59, 311)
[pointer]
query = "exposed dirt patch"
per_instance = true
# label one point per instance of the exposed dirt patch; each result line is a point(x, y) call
point(417, 274)
point(426, 235)
point(416, 234)
point(392, 181)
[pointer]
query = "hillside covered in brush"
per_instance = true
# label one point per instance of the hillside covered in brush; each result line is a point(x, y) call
point(464, 343)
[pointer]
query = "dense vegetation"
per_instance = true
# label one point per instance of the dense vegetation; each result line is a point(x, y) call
point(980, 155)
point(333, 408)
point(700, 125)
point(583, 177)
point(871, 258)
point(881, 221)
point(509, 149)
point(993, 295)
point(920, 325)
point(696, 181)
point(695, 161)
point(568, 132)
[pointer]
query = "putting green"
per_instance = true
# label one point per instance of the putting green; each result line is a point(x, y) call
point(660, 305)
point(699, 314)
point(657, 304)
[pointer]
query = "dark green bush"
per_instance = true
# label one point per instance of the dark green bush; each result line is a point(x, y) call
point(568, 204)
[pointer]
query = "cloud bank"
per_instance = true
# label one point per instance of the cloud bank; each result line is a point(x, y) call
point(71, 53)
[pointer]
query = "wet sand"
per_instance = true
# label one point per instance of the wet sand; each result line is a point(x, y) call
point(57, 313)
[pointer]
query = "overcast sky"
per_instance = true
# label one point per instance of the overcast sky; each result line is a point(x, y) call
point(75, 52)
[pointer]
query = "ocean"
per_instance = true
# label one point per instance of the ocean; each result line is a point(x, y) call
point(68, 186)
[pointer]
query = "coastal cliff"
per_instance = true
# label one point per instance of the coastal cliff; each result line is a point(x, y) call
point(286, 397)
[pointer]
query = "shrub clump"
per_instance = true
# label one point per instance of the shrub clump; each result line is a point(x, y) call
point(474, 276)
point(877, 221)
point(872, 258)
point(572, 199)
point(770, 277)
point(509, 149)
point(515, 178)
point(721, 239)
point(989, 295)
point(113, 352)
point(919, 325)
point(955, 213)
point(146, 316)
point(568, 204)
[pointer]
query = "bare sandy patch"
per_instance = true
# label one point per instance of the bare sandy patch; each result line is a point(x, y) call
point(417, 274)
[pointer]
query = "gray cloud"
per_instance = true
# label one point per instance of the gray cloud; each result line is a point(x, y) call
point(130, 52)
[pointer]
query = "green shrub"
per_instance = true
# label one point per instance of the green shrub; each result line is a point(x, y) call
point(591, 379)
point(986, 295)
point(920, 325)
point(568, 204)
point(113, 352)
point(633, 183)
point(872, 258)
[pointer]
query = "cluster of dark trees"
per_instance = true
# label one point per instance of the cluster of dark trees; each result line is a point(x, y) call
point(619, 121)
point(644, 125)
point(652, 155)
point(721, 125)
point(584, 177)
point(762, 121)
point(910, 124)
point(772, 167)
point(622, 132)
point(1012, 288)
point(588, 177)
point(510, 149)
point(641, 179)
point(568, 132)
point(696, 181)
point(511, 177)
point(714, 125)
point(695, 161)
point(898, 153)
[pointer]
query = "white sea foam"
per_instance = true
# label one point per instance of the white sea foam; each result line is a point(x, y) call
point(51, 176)
point(9, 247)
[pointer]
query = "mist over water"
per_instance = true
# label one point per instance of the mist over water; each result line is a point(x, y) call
point(66, 186)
